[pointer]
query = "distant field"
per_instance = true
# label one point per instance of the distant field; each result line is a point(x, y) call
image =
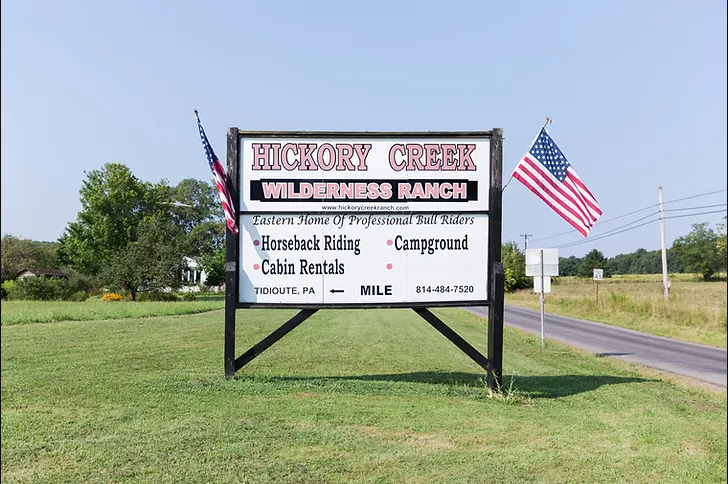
point(23, 312)
point(349, 396)
point(696, 311)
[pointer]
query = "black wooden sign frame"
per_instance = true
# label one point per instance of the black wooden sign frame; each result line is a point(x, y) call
point(492, 364)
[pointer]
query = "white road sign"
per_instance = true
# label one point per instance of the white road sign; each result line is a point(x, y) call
point(598, 274)
point(546, 284)
point(363, 258)
point(550, 262)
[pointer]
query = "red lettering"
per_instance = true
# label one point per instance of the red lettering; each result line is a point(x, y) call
point(414, 155)
point(448, 163)
point(465, 160)
point(431, 152)
point(289, 165)
point(362, 151)
point(344, 152)
point(260, 156)
point(396, 166)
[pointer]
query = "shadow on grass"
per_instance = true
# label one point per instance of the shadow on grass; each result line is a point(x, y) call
point(534, 386)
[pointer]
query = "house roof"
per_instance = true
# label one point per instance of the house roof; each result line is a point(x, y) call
point(43, 272)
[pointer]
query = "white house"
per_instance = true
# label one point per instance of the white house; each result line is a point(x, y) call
point(193, 276)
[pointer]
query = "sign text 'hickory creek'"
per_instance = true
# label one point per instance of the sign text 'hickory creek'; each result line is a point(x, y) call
point(367, 220)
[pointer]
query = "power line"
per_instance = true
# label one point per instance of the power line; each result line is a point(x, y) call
point(697, 196)
point(696, 208)
point(569, 232)
point(615, 231)
point(574, 244)
point(692, 214)
point(602, 222)
point(612, 233)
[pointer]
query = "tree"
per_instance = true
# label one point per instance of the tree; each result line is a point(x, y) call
point(699, 251)
point(114, 203)
point(514, 265)
point(593, 260)
point(205, 238)
point(214, 266)
point(152, 262)
point(720, 244)
point(569, 266)
point(18, 254)
point(199, 200)
point(199, 213)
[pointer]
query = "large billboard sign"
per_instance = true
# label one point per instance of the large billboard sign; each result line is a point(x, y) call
point(364, 219)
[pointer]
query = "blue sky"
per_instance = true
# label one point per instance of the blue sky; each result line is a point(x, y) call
point(636, 90)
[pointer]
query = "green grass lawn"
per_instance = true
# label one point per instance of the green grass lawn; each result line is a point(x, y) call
point(349, 396)
point(696, 311)
point(22, 312)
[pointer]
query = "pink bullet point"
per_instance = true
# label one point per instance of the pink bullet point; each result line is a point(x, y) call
point(256, 266)
point(389, 266)
point(256, 243)
point(389, 242)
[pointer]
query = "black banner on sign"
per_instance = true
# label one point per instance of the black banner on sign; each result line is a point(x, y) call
point(307, 190)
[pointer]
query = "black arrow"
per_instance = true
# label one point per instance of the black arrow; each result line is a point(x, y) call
point(333, 291)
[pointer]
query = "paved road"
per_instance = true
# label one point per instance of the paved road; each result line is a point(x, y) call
point(696, 361)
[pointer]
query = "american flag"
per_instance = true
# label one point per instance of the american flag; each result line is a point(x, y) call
point(547, 173)
point(220, 180)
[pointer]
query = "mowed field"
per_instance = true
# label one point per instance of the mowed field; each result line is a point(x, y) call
point(696, 310)
point(349, 396)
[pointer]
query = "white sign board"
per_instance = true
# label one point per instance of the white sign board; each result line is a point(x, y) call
point(365, 174)
point(367, 258)
point(335, 220)
point(598, 274)
point(550, 262)
point(546, 284)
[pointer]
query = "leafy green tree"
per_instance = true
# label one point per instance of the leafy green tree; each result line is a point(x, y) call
point(569, 266)
point(205, 238)
point(198, 202)
point(593, 260)
point(720, 244)
point(18, 254)
point(643, 261)
point(674, 263)
point(113, 204)
point(514, 264)
point(199, 213)
point(214, 266)
point(699, 251)
point(151, 262)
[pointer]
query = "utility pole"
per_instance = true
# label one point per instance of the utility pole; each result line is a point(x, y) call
point(525, 240)
point(665, 282)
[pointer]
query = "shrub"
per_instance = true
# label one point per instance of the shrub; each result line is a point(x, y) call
point(47, 288)
point(38, 289)
point(514, 264)
point(110, 296)
point(188, 296)
point(156, 296)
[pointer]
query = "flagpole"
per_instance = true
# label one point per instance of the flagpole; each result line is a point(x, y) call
point(548, 120)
